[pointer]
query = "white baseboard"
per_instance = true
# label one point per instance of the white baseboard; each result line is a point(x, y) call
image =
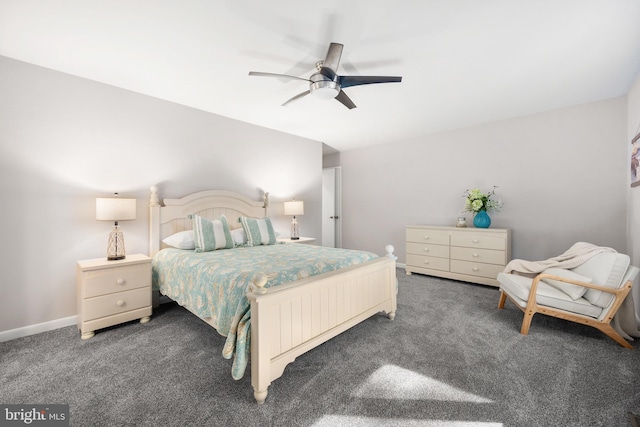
point(37, 328)
point(401, 265)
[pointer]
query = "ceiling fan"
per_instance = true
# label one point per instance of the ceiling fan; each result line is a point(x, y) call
point(325, 83)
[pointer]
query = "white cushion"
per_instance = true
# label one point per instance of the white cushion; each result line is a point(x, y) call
point(239, 237)
point(518, 288)
point(574, 291)
point(605, 269)
point(181, 240)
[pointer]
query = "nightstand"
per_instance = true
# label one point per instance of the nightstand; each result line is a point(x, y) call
point(305, 240)
point(112, 292)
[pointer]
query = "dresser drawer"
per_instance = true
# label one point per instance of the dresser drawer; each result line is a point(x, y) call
point(427, 235)
point(485, 256)
point(489, 271)
point(433, 263)
point(439, 251)
point(109, 280)
point(116, 303)
point(478, 240)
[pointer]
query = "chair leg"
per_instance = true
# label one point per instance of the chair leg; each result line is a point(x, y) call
point(611, 333)
point(503, 298)
point(526, 322)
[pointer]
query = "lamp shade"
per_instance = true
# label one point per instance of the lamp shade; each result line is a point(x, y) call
point(115, 209)
point(294, 207)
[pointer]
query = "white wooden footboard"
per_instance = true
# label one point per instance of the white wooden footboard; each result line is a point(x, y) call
point(291, 319)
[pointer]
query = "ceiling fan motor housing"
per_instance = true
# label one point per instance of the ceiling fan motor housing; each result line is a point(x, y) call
point(322, 87)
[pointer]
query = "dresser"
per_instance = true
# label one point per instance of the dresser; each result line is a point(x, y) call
point(474, 255)
point(112, 292)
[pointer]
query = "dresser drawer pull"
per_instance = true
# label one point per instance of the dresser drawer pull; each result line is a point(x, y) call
point(475, 255)
point(475, 269)
point(426, 249)
point(475, 241)
point(426, 237)
point(426, 262)
point(120, 303)
point(120, 281)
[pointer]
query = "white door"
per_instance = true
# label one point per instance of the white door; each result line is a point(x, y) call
point(331, 208)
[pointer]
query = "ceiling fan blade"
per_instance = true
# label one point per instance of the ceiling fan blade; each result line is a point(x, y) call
point(347, 81)
point(298, 96)
point(286, 76)
point(331, 61)
point(345, 100)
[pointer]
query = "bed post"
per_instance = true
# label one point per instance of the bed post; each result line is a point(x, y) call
point(154, 222)
point(389, 254)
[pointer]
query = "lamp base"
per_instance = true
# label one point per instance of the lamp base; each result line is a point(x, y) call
point(115, 246)
point(294, 229)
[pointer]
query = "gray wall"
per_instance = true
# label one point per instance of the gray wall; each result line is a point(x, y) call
point(65, 141)
point(633, 212)
point(562, 176)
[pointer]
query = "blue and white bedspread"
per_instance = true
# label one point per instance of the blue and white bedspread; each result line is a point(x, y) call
point(214, 284)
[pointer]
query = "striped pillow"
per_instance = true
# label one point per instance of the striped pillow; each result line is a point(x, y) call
point(258, 231)
point(210, 235)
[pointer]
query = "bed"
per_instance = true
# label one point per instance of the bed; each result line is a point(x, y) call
point(266, 326)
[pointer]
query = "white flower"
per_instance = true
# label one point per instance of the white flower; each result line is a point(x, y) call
point(476, 201)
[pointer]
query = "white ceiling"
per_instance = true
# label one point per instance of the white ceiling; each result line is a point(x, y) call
point(463, 62)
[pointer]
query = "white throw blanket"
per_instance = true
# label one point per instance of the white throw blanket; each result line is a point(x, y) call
point(576, 255)
point(624, 322)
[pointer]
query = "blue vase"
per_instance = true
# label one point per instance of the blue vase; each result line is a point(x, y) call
point(482, 220)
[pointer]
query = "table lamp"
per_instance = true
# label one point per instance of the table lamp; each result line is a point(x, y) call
point(294, 207)
point(115, 209)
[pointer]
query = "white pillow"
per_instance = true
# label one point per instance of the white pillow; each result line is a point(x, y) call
point(181, 240)
point(574, 291)
point(239, 237)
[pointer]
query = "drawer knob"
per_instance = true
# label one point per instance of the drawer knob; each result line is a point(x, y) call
point(426, 237)
point(426, 262)
point(475, 255)
point(120, 281)
point(475, 269)
point(426, 249)
point(120, 303)
point(475, 240)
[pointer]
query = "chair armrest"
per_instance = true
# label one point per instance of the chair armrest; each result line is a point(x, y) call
point(542, 276)
point(531, 301)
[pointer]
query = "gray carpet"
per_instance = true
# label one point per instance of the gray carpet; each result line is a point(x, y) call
point(450, 358)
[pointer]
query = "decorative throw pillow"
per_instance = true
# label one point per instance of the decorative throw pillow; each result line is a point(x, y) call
point(181, 240)
point(574, 291)
point(210, 235)
point(258, 231)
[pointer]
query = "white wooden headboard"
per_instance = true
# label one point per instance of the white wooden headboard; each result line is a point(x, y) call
point(171, 216)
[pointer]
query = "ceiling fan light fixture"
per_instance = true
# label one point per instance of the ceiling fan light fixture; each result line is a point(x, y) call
point(325, 89)
point(326, 83)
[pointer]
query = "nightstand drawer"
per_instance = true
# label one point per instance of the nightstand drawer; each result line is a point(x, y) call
point(477, 240)
point(433, 263)
point(487, 256)
point(489, 271)
point(426, 235)
point(117, 279)
point(116, 303)
point(439, 251)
